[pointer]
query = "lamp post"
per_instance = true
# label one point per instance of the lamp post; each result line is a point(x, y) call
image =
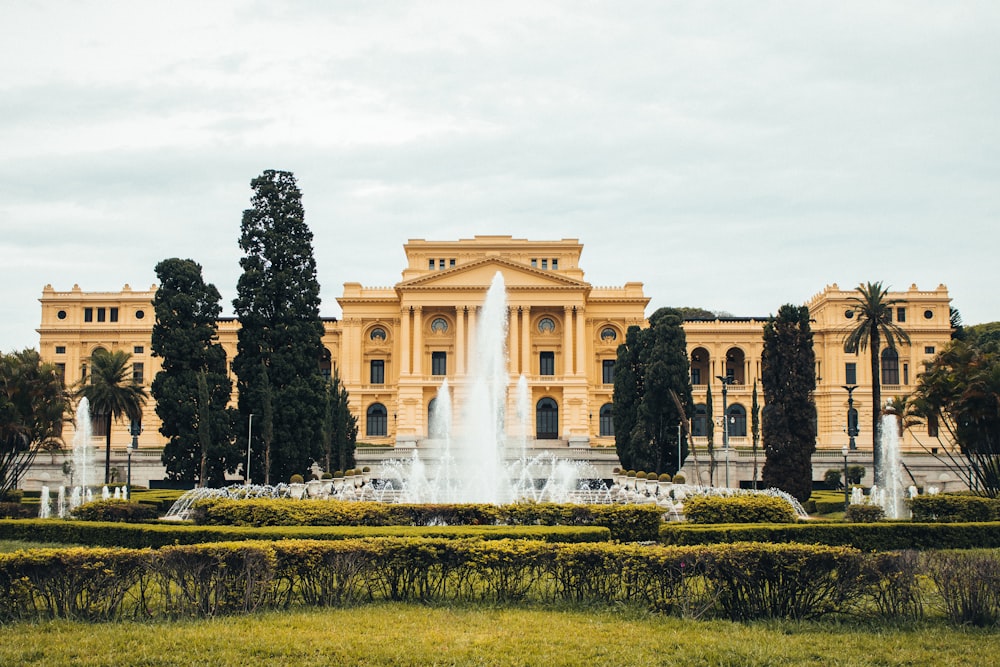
point(249, 441)
point(852, 416)
point(726, 381)
point(847, 499)
point(680, 425)
point(135, 428)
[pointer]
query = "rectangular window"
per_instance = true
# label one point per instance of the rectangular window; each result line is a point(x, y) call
point(555, 264)
point(534, 263)
point(441, 264)
point(137, 372)
point(608, 371)
point(101, 314)
point(430, 264)
point(851, 373)
point(928, 349)
point(138, 349)
point(451, 262)
point(901, 314)
point(932, 426)
point(61, 369)
point(113, 314)
point(439, 363)
point(547, 363)
point(88, 314)
point(377, 374)
point(906, 373)
point(60, 349)
point(695, 376)
point(545, 264)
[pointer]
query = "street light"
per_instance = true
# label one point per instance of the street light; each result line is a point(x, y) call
point(680, 424)
point(726, 381)
point(135, 428)
point(852, 416)
point(249, 441)
point(847, 500)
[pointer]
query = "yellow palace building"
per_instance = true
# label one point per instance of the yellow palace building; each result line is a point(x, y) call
point(393, 347)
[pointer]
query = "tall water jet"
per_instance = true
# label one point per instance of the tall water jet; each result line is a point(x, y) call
point(892, 496)
point(83, 450)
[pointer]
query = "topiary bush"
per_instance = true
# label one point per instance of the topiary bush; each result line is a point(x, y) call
point(115, 510)
point(296, 479)
point(739, 509)
point(679, 478)
point(664, 477)
point(864, 513)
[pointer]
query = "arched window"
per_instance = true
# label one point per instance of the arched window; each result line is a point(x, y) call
point(546, 419)
point(890, 366)
point(699, 425)
point(378, 420)
point(737, 420)
point(607, 421)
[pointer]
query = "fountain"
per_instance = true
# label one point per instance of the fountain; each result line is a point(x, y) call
point(891, 495)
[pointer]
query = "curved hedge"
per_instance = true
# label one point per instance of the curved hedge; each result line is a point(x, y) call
point(628, 523)
point(116, 534)
point(881, 536)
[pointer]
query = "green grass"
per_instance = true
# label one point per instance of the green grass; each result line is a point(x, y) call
point(401, 634)
point(6, 546)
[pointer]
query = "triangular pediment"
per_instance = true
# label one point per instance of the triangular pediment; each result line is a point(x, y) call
point(479, 274)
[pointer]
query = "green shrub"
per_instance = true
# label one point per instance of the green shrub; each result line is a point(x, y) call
point(665, 477)
point(652, 476)
point(968, 583)
point(630, 473)
point(738, 509)
point(855, 474)
point(12, 496)
point(679, 478)
point(832, 478)
point(115, 510)
point(296, 479)
point(17, 511)
point(949, 507)
point(858, 513)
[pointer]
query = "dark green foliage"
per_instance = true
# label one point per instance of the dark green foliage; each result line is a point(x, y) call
point(788, 376)
point(340, 427)
point(879, 536)
point(193, 389)
point(874, 325)
point(280, 348)
point(949, 507)
point(960, 392)
point(969, 584)
point(738, 509)
point(115, 510)
point(855, 474)
point(652, 365)
point(34, 406)
point(113, 394)
point(864, 513)
point(832, 478)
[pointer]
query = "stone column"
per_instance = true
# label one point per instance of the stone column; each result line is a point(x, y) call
point(418, 341)
point(581, 342)
point(567, 352)
point(526, 340)
point(404, 342)
point(461, 348)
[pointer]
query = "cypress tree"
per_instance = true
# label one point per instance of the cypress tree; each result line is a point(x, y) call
point(788, 376)
point(196, 425)
point(280, 338)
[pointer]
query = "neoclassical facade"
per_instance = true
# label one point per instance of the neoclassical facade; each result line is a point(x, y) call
point(395, 345)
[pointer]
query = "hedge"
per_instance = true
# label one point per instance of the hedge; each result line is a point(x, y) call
point(628, 523)
point(738, 581)
point(738, 509)
point(947, 507)
point(882, 536)
point(115, 534)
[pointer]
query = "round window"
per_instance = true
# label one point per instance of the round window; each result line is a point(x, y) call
point(61, 314)
point(139, 314)
point(609, 334)
point(849, 313)
point(546, 325)
point(928, 314)
point(439, 325)
point(378, 333)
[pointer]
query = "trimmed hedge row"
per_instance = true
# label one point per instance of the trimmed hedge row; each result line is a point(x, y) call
point(881, 536)
point(115, 534)
point(628, 523)
point(947, 507)
point(736, 581)
point(738, 509)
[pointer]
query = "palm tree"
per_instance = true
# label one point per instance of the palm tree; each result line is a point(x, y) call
point(874, 323)
point(113, 393)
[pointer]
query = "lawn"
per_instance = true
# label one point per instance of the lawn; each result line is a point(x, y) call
point(405, 634)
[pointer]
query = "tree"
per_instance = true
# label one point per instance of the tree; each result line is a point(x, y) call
point(653, 362)
point(874, 325)
point(340, 427)
point(34, 406)
point(280, 337)
point(959, 394)
point(788, 376)
point(113, 394)
point(195, 420)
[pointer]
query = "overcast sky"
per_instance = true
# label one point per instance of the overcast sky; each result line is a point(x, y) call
point(734, 156)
